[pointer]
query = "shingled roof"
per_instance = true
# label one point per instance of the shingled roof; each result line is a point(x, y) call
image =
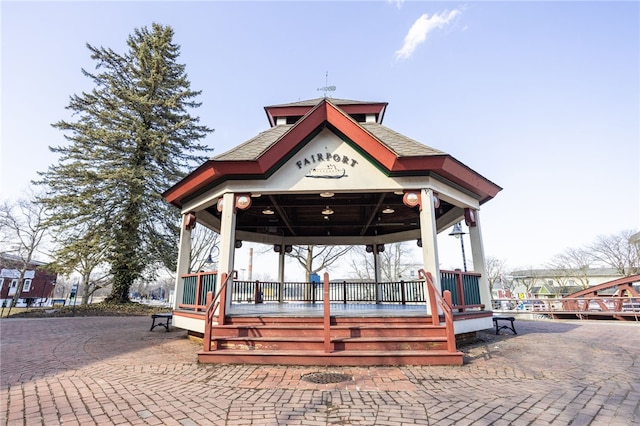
point(316, 101)
point(254, 147)
point(401, 145)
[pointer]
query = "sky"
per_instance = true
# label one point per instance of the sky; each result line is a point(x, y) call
point(542, 98)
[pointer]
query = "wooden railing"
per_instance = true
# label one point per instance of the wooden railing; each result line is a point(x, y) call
point(214, 303)
point(195, 288)
point(593, 304)
point(401, 292)
point(463, 286)
point(444, 303)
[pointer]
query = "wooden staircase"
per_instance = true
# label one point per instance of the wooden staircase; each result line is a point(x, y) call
point(330, 340)
point(353, 341)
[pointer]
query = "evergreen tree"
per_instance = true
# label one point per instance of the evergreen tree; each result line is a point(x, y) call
point(133, 139)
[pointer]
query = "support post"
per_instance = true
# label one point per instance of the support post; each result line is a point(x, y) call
point(281, 259)
point(376, 265)
point(429, 236)
point(227, 243)
point(479, 264)
point(184, 261)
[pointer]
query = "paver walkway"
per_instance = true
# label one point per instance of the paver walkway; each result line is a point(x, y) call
point(110, 370)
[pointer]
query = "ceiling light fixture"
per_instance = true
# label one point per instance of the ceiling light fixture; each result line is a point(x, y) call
point(327, 210)
point(388, 210)
point(327, 194)
point(268, 211)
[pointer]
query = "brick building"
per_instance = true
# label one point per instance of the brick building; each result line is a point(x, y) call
point(38, 285)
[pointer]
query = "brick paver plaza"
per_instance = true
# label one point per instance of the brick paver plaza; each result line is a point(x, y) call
point(112, 370)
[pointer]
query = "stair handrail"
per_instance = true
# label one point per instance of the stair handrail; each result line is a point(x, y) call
point(444, 302)
point(213, 302)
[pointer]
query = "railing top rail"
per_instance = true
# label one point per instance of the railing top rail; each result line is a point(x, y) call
point(459, 271)
point(418, 280)
point(551, 299)
point(197, 274)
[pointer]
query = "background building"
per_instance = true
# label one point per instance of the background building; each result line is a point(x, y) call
point(38, 285)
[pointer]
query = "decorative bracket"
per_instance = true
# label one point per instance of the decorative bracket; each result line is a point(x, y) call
point(470, 217)
point(189, 221)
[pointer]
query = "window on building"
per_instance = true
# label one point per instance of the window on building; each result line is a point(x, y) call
point(27, 286)
point(13, 287)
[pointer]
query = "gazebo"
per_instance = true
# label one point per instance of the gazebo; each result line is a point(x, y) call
point(327, 172)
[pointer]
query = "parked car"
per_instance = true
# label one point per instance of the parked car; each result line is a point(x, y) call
point(532, 305)
point(632, 306)
point(595, 306)
point(505, 305)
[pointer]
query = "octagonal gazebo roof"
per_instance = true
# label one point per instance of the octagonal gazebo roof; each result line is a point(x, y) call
point(330, 146)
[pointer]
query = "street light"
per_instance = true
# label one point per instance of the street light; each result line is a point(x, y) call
point(458, 233)
point(210, 260)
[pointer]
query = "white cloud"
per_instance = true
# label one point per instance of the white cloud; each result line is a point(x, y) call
point(421, 28)
point(398, 3)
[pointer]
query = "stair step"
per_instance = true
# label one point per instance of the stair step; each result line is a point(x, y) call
point(317, 343)
point(337, 339)
point(335, 358)
point(334, 320)
point(344, 331)
point(354, 341)
point(333, 326)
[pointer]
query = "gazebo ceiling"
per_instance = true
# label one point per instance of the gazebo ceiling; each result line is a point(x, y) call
point(341, 215)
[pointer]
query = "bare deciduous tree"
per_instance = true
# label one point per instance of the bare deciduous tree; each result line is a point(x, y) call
point(395, 263)
point(618, 252)
point(527, 278)
point(316, 258)
point(572, 264)
point(361, 263)
point(23, 231)
point(495, 272)
point(204, 248)
point(82, 252)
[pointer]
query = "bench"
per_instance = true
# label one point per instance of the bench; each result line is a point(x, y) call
point(496, 322)
point(164, 320)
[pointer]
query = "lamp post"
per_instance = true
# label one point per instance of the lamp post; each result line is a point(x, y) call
point(458, 233)
point(210, 261)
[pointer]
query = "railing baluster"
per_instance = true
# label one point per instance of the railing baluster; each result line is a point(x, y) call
point(459, 289)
